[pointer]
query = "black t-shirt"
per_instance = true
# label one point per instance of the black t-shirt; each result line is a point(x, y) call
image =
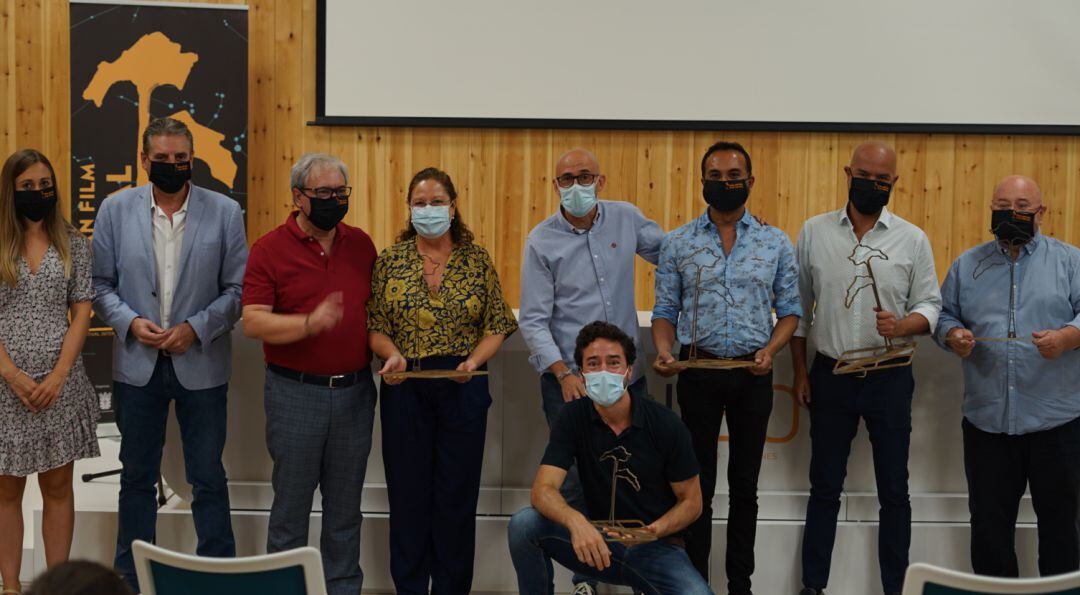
point(653, 452)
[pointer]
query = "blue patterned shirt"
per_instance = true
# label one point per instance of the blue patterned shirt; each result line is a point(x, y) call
point(737, 292)
point(1008, 387)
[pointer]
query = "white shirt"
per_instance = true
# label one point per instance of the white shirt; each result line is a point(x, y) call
point(168, 238)
point(832, 275)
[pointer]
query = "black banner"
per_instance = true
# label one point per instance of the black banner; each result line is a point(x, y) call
point(132, 62)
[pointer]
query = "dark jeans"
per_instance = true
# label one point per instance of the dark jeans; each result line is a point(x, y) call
point(883, 400)
point(705, 398)
point(999, 467)
point(551, 393)
point(141, 413)
point(433, 435)
point(655, 568)
point(320, 437)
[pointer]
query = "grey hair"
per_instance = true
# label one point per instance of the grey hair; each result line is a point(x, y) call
point(165, 127)
point(302, 168)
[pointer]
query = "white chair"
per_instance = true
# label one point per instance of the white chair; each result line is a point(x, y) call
point(926, 579)
point(162, 572)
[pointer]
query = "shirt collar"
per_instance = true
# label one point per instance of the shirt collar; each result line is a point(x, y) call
point(747, 220)
point(565, 224)
point(155, 209)
point(885, 218)
point(637, 413)
point(1028, 248)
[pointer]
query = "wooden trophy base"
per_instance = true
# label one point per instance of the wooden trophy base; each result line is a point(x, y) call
point(628, 533)
point(871, 359)
point(435, 374)
point(712, 364)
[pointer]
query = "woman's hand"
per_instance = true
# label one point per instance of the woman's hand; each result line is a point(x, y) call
point(23, 386)
point(465, 366)
point(394, 363)
point(48, 391)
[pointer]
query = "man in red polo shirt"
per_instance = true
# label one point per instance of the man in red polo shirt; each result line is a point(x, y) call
point(305, 294)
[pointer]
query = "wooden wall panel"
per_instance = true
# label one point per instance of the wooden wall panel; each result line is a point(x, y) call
point(504, 176)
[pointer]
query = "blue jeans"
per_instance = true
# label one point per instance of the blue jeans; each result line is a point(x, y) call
point(141, 413)
point(656, 568)
point(320, 437)
point(882, 400)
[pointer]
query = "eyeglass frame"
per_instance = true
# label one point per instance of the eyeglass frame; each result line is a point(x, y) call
point(334, 192)
point(577, 179)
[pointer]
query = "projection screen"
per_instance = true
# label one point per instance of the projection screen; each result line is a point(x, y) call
point(918, 65)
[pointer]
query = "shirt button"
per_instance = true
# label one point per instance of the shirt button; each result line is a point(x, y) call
point(322, 253)
point(595, 256)
point(601, 279)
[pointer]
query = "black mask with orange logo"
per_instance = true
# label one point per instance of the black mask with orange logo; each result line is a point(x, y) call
point(1012, 227)
point(726, 195)
point(35, 204)
point(170, 177)
point(869, 196)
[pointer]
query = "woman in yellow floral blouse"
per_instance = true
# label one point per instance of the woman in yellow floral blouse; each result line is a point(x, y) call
point(436, 300)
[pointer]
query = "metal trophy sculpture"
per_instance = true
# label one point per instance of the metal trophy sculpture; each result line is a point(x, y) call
point(417, 371)
point(692, 360)
point(626, 532)
point(994, 259)
point(868, 359)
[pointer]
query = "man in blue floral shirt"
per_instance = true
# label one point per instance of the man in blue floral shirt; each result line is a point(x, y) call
point(718, 281)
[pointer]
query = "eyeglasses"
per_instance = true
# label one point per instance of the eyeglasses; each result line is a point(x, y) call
point(324, 193)
point(438, 202)
point(567, 180)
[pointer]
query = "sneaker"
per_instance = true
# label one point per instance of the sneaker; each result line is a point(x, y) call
point(584, 589)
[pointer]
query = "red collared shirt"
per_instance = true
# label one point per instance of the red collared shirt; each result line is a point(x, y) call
point(289, 271)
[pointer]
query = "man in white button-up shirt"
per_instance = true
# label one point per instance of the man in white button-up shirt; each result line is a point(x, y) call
point(840, 314)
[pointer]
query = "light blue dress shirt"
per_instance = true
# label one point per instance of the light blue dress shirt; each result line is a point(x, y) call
point(571, 277)
point(737, 292)
point(1008, 387)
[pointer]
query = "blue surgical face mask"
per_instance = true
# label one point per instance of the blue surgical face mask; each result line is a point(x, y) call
point(605, 388)
point(431, 222)
point(578, 200)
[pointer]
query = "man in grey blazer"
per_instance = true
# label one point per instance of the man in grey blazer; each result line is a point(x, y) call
point(169, 260)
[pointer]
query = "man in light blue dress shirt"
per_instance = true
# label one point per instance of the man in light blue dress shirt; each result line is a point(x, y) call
point(1011, 310)
point(578, 267)
point(718, 281)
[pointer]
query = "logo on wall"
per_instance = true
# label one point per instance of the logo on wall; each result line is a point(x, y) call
point(134, 62)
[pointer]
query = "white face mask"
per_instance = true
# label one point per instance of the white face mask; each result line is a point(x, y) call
point(578, 200)
point(431, 222)
point(605, 388)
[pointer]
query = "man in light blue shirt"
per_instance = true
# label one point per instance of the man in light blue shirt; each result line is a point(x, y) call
point(1011, 310)
point(718, 280)
point(578, 267)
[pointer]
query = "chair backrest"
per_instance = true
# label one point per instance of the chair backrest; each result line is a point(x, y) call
point(162, 572)
point(925, 579)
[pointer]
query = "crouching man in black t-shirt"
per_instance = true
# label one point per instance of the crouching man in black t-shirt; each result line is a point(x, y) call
point(656, 483)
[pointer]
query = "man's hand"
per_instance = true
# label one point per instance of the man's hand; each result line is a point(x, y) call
point(573, 387)
point(48, 391)
point(762, 363)
point(326, 315)
point(394, 363)
point(23, 386)
point(961, 341)
point(801, 387)
point(887, 324)
point(465, 366)
point(663, 364)
point(659, 528)
point(589, 545)
point(147, 333)
point(178, 339)
point(1051, 344)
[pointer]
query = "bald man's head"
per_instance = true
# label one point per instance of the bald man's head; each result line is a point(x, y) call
point(873, 160)
point(1019, 193)
point(576, 163)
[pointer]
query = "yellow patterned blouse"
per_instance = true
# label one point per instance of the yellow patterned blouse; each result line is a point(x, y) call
point(468, 306)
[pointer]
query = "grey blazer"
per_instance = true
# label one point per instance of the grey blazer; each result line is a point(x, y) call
point(213, 255)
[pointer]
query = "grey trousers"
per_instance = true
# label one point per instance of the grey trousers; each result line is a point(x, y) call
point(320, 437)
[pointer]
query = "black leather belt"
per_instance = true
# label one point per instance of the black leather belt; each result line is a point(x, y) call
point(335, 381)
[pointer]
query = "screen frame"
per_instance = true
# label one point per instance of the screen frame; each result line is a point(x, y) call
point(321, 119)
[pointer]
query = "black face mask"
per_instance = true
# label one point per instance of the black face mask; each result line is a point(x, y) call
point(35, 204)
point(326, 213)
point(1012, 227)
point(170, 177)
point(726, 195)
point(869, 196)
